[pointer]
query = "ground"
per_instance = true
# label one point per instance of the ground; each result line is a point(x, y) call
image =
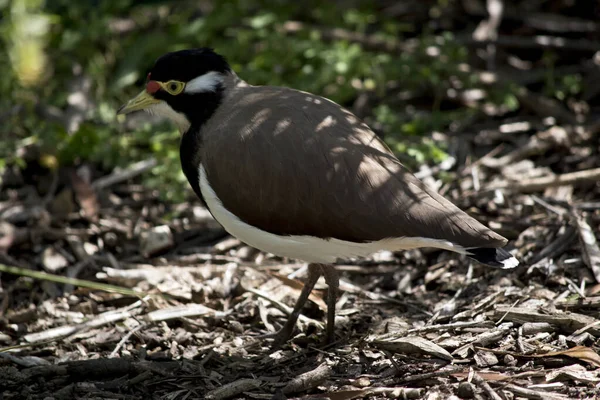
point(188, 310)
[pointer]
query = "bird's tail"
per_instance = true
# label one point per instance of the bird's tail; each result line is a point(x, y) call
point(494, 257)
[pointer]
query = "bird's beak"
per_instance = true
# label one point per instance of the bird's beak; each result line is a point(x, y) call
point(139, 102)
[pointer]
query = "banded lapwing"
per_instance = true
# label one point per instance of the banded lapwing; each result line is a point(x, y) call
point(297, 175)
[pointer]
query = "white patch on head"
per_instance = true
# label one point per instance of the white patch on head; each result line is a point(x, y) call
point(204, 83)
point(307, 248)
point(162, 109)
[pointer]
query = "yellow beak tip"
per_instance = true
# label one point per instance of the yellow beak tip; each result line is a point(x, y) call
point(139, 102)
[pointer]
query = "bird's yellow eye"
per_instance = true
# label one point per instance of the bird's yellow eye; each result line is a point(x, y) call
point(174, 87)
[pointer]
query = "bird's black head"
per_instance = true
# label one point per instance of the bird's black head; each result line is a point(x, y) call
point(185, 86)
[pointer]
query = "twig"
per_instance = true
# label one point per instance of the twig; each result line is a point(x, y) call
point(234, 388)
point(308, 380)
point(455, 325)
point(396, 393)
point(351, 288)
point(568, 322)
point(97, 321)
point(557, 247)
point(483, 339)
point(479, 381)
point(555, 209)
point(188, 310)
point(590, 302)
point(429, 375)
point(532, 394)
point(130, 172)
point(281, 307)
point(537, 184)
point(537, 144)
point(125, 339)
point(585, 328)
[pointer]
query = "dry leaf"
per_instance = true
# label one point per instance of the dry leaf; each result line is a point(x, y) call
point(412, 345)
point(573, 372)
point(580, 352)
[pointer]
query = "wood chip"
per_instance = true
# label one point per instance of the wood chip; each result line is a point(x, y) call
point(589, 246)
point(156, 240)
point(186, 311)
point(485, 359)
point(233, 389)
point(531, 328)
point(53, 261)
point(567, 321)
point(537, 184)
point(486, 337)
point(534, 394)
point(308, 380)
point(479, 381)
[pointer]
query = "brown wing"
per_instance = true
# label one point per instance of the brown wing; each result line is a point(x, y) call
point(292, 163)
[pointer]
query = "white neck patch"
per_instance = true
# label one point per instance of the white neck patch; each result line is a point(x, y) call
point(204, 83)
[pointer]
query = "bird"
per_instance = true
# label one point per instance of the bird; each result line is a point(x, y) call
point(297, 175)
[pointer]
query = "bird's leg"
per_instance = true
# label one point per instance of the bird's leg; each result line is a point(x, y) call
point(314, 273)
point(332, 279)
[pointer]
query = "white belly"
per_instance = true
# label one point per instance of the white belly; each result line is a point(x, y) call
point(307, 248)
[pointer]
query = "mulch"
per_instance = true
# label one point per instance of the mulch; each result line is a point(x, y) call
point(198, 323)
point(187, 312)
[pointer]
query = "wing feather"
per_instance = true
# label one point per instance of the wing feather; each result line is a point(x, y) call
point(314, 169)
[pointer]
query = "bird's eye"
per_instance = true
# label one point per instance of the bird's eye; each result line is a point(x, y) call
point(174, 87)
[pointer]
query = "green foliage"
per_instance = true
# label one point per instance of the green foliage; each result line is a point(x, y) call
point(114, 42)
point(561, 87)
